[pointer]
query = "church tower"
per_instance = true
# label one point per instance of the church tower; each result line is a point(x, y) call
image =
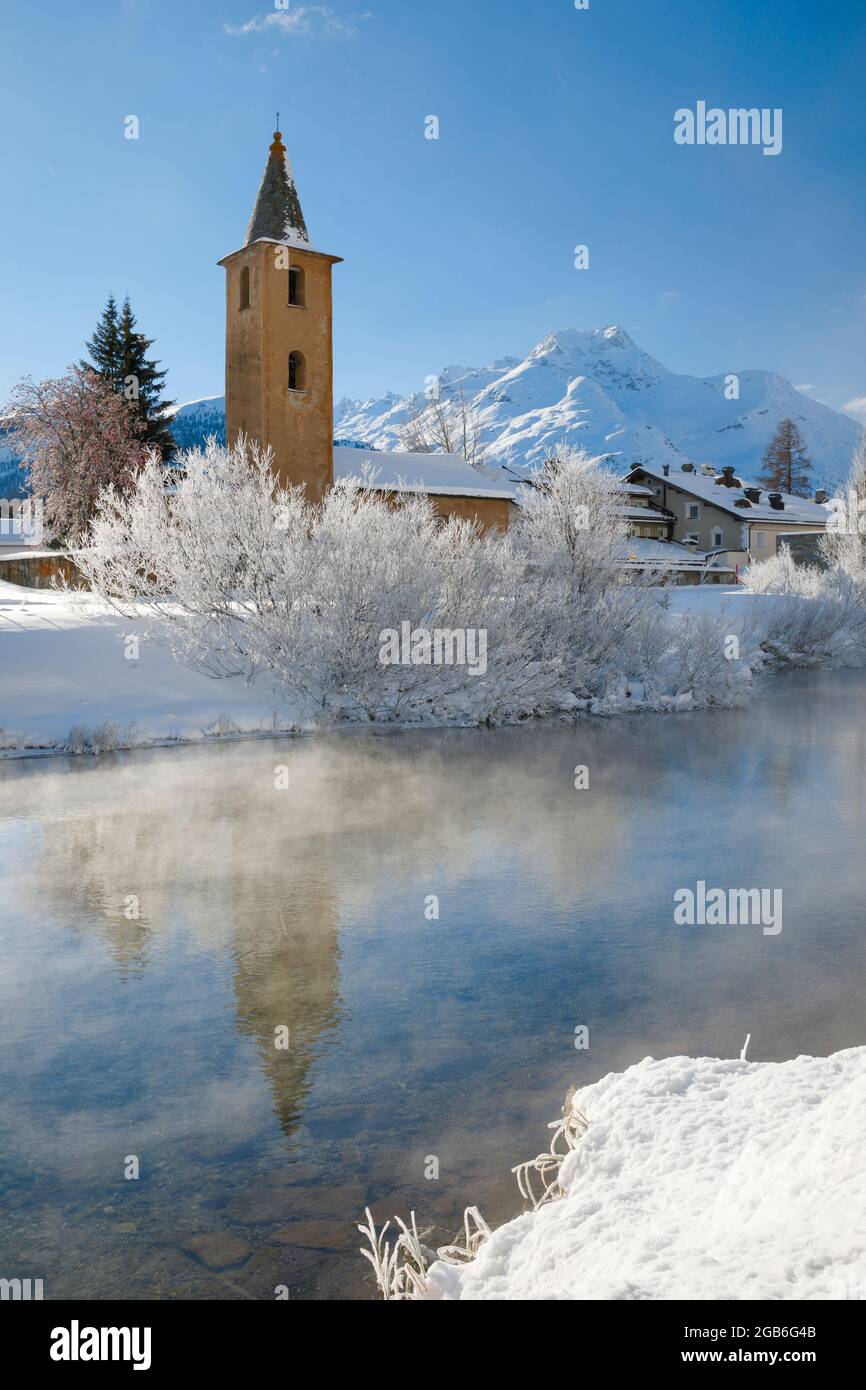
point(279, 335)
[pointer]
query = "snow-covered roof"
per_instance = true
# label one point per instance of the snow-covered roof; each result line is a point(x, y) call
point(798, 510)
point(642, 514)
point(640, 550)
point(443, 475)
point(277, 215)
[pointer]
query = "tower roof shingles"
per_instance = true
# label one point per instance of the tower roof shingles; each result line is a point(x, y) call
point(277, 214)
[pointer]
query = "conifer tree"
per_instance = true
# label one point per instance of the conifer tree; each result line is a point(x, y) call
point(104, 346)
point(786, 464)
point(119, 353)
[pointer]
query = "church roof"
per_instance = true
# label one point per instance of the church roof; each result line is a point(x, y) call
point(277, 215)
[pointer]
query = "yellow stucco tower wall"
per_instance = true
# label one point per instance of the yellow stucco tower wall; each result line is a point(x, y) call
point(279, 307)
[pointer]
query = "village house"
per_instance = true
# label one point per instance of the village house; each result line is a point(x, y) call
point(719, 515)
point(652, 546)
point(280, 367)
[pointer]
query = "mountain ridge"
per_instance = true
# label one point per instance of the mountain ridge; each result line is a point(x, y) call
point(597, 389)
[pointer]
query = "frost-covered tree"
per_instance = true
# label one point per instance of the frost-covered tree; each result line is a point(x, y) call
point(338, 603)
point(75, 436)
point(575, 533)
point(448, 423)
point(246, 577)
point(844, 544)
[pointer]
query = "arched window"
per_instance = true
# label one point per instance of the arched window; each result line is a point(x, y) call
point(297, 371)
point(296, 286)
point(244, 301)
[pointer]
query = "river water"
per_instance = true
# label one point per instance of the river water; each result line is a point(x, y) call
point(248, 990)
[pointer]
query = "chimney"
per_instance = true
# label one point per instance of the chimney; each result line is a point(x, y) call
point(775, 501)
point(687, 468)
point(753, 494)
point(666, 469)
point(821, 496)
point(727, 479)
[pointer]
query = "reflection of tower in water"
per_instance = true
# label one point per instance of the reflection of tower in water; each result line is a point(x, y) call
point(201, 869)
point(286, 972)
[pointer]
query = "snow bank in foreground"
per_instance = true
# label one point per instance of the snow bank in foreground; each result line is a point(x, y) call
point(697, 1179)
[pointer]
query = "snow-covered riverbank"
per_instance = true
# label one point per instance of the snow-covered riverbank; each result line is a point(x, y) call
point(71, 679)
point(696, 1179)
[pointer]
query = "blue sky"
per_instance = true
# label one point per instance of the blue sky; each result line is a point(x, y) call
point(556, 128)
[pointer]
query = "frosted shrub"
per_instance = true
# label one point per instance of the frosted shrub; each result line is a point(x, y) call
point(699, 666)
point(574, 534)
point(243, 577)
point(780, 575)
point(810, 616)
point(246, 578)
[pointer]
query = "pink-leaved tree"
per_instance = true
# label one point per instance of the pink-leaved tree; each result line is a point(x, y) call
point(74, 435)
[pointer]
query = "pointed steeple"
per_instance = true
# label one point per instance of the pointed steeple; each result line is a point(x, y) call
point(277, 214)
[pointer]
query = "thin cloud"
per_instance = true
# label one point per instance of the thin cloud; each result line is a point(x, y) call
point(856, 407)
point(306, 21)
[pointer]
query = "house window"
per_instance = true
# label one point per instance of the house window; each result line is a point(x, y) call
point(244, 296)
point(718, 538)
point(761, 540)
point(692, 536)
point(296, 286)
point(297, 371)
point(694, 512)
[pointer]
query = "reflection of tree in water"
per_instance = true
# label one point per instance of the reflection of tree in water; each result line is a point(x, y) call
point(286, 957)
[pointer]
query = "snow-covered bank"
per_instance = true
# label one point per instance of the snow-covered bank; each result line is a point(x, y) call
point(696, 1179)
point(67, 682)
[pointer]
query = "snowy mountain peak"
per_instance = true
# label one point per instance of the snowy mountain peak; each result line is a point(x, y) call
point(597, 389)
point(585, 340)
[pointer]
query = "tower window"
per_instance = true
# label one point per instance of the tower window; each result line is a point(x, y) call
point(297, 371)
point(244, 300)
point(296, 286)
